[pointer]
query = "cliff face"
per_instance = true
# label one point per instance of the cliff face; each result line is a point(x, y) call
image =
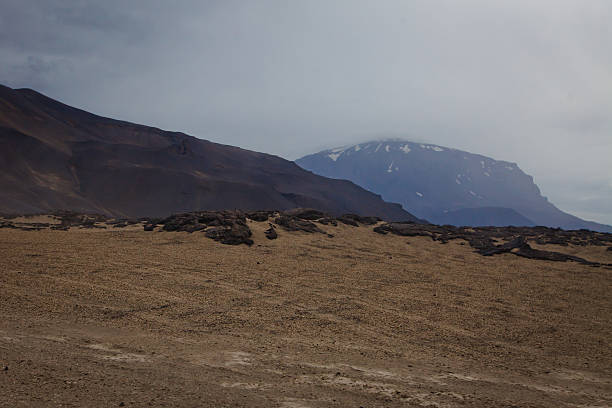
point(445, 185)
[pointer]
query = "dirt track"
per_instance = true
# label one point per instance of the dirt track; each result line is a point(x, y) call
point(133, 318)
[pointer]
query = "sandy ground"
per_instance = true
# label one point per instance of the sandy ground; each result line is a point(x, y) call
point(123, 317)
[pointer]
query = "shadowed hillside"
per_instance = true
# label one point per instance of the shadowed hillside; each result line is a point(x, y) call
point(53, 156)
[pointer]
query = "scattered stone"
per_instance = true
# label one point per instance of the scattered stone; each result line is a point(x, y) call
point(328, 221)
point(355, 220)
point(7, 224)
point(381, 229)
point(483, 239)
point(346, 219)
point(305, 214)
point(196, 221)
point(271, 232)
point(74, 219)
point(259, 215)
point(235, 234)
point(527, 252)
point(227, 227)
point(230, 227)
point(290, 223)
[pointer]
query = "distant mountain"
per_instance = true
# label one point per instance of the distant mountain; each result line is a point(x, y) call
point(484, 216)
point(53, 156)
point(444, 185)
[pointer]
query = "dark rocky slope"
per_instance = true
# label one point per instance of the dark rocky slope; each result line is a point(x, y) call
point(53, 156)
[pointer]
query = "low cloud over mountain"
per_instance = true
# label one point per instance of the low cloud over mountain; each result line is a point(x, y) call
point(445, 185)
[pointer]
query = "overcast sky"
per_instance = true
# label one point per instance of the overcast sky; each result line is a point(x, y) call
point(524, 81)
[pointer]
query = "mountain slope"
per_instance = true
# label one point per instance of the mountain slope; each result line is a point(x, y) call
point(484, 216)
point(434, 182)
point(53, 156)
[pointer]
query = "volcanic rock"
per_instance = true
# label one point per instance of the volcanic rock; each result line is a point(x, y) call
point(290, 223)
point(271, 232)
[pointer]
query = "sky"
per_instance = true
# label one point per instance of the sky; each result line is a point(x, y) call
point(519, 80)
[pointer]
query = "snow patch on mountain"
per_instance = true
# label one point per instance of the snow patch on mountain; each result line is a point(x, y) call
point(334, 156)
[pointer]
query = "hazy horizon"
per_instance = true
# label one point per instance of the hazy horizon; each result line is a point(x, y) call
point(517, 81)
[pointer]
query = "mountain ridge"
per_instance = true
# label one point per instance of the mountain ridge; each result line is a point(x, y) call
point(431, 180)
point(55, 156)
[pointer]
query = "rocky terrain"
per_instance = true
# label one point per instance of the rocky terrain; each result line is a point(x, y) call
point(445, 185)
point(231, 227)
point(335, 311)
point(54, 156)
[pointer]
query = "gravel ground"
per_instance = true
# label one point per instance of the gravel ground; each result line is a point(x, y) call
point(124, 317)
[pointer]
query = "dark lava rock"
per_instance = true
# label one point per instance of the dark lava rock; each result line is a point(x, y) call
point(196, 221)
point(195, 227)
point(328, 221)
point(348, 220)
point(271, 232)
point(149, 227)
point(483, 239)
point(74, 219)
point(121, 222)
point(527, 252)
point(405, 229)
point(290, 223)
point(305, 214)
point(7, 224)
point(227, 227)
point(259, 215)
point(355, 220)
point(236, 234)
point(382, 229)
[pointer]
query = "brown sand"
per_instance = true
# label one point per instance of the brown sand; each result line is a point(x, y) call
point(132, 318)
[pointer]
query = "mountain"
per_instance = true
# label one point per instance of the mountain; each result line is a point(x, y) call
point(53, 156)
point(444, 185)
point(484, 216)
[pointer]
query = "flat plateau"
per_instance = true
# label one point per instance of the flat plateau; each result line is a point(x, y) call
point(123, 317)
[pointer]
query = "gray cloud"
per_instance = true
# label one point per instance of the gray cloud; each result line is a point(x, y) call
point(524, 81)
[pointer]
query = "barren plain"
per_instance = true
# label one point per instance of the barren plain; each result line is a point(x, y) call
point(125, 317)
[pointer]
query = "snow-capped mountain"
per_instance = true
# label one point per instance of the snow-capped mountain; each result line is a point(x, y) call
point(444, 185)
